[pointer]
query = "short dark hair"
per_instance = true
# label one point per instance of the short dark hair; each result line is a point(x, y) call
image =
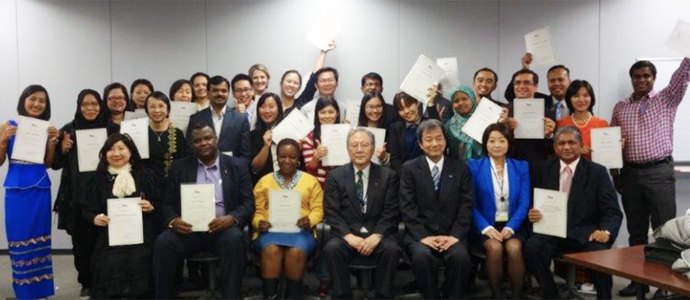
point(160, 96)
point(575, 87)
point(427, 125)
point(535, 77)
point(191, 79)
point(238, 78)
point(198, 126)
point(556, 67)
point(177, 85)
point(139, 81)
point(327, 69)
point(373, 76)
point(567, 129)
point(504, 130)
point(403, 98)
point(217, 80)
point(291, 71)
point(260, 124)
point(114, 86)
point(134, 160)
point(289, 142)
point(28, 91)
point(362, 120)
point(485, 69)
point(643, 64)
point(321, 103)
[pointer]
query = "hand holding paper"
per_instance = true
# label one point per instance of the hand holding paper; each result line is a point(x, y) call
point(679, 39)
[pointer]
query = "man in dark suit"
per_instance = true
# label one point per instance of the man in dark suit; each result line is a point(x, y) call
point(436, 206)
point(362, 208)
point(593, 213)
point(231, 127)
point(234, 204)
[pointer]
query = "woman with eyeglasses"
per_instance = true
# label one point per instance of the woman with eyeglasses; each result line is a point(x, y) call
point(116, 98)
point(372, 114)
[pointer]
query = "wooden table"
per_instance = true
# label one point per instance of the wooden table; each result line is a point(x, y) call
point(629, 263)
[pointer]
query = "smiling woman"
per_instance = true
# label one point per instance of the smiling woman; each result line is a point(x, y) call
point(166, 142)
point(580, 101)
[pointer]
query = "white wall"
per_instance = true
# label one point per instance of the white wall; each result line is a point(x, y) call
point(68, 45)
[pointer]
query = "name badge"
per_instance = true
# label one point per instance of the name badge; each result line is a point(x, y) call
point(502, 217)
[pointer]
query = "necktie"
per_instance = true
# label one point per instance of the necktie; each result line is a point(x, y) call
point(559, 112)
point(360, 191)
point(566, 179)
point(436, 176)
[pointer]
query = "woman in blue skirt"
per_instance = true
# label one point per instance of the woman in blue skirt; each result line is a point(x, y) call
point(27, 203)
point(286, 252)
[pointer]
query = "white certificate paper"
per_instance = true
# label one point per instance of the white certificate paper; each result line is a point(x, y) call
point(529, 114)
point(352, 112)
point(539, 43)
point(607, 149)
point(324, 31)
point(284, 210)
point(89, 144)
point(680, 38)
point(180, 112)
point(451, 73)
point(486, 114)
point(334, 137)
point(138, 130)
point(126, 225)
point(295, 126)
point(553, 206)
point(421, 77)
point(379, 139)
point(138, 113)
point(198, 205)
point(30, 141)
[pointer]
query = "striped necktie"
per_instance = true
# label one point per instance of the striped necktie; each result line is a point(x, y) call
point(436, 176)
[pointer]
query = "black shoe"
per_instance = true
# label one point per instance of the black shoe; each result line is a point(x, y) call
point(85, 293)
point(660, 294)
point(631, 289)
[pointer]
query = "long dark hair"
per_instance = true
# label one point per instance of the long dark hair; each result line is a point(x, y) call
point(134, 160)
point(260, 124)
point(321, 104)
point(574, 88)
point(141, 81)
point(362, 110)
point(28, 91)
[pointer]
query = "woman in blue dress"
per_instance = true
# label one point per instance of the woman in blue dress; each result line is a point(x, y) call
point(27, 203)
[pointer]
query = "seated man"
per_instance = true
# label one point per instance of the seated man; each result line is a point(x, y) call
point(234, 203)
point(436, 206)
point(362, 208)
point(593, 213)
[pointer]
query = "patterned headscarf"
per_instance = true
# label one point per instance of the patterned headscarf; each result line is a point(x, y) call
point(472, 148)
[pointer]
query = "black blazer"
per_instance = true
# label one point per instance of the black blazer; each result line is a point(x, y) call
point(395, 144)
point(534, 150)
point(343, 211)
point(592, 202)
point(237, 187)
point(426, 215)
point(234, 134)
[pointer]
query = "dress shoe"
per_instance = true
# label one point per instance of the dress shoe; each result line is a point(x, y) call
point(631, 289)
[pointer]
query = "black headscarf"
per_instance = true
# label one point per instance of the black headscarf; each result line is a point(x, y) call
point(101, 120)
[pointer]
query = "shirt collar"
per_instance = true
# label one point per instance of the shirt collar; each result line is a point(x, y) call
point(572, 165)
point(222, 112)
point(215, 163)
point(365, 171)
point(432, 164)
point(645, 97)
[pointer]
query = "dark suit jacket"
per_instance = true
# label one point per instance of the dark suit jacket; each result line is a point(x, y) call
point(234, 134)
point(426, 215)
point(343, 211)
point(592, 202)
point(534, 150)
point(395, 144)
point(237, 187)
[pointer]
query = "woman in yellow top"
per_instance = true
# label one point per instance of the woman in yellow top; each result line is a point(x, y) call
point(286, 251)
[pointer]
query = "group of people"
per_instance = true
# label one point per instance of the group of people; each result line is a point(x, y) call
point(453, 195)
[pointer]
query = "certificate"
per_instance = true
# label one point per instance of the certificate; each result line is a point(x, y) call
point(138, 113)
point(198, 205)
point(284, 210)
point(539, 44)
point(180, 113)
point(138, 130)
point(680, 38)
point(295, 126)
point(451, 74)
point(89, 144)
point(486, 114)
point(421, 77)
point(379, 139)
point(529, 114)
point(607, 149)
point(30, 141)
point(553, 206)
point(126, 225)
point(334, 137)
point(352, 112)
point(324, 31)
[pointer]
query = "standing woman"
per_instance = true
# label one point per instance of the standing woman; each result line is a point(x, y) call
point(263, 150)
point(291, 82)
point(460, 145)
point(90, 114)
point(181, 90)
point(140, 89)
point(286, 252)
point(200, 83)
point(116, 97)
point(260, 77)
point(27, 202)
point(501, 200)
point(327, 112)
point(580, 100)
point(372, 112)
point(166, 142)
point(121, 271)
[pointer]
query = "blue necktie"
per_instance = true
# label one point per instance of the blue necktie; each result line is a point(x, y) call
point(559, 113)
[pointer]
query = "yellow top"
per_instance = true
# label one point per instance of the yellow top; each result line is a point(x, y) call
point(308, 186)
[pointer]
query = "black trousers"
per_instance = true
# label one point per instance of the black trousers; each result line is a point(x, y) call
point(339, 254)
point(172, 247)
point(647, 195)
point(541, 249)
point(425, 266)
point(84, 236)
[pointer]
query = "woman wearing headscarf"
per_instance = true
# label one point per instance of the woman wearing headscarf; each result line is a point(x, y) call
point(460, 145)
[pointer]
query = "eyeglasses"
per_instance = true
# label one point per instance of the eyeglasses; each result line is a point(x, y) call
point(329, 80)
point(243, 91)
point(374, 107)
point(116, 98)
point(525, 82)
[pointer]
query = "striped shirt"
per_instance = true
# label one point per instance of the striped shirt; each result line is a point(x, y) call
point(647, 124)
point(308, 149)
